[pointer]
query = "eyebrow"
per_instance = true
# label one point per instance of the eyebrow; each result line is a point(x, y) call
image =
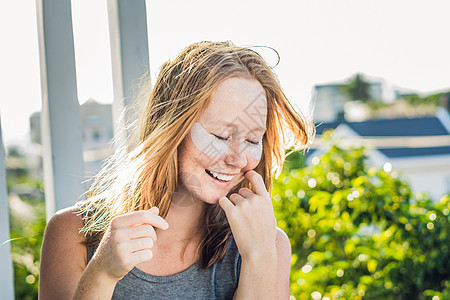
point(261, 129)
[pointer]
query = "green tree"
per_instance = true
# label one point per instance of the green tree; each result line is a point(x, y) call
point(27, 228)
point(359, 233)
point(357, 89)
point(26, 241)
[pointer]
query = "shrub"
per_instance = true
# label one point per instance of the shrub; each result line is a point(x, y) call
point(358, 232)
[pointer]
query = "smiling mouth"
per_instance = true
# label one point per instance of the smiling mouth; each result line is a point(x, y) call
point(218, 176)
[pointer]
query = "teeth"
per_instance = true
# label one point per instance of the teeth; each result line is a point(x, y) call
point(221, 176)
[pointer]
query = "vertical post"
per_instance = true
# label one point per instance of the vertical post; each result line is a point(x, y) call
point(6, 266)
point(129, 55)
point(60, 119)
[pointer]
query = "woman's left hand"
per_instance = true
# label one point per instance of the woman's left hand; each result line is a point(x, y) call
point(251, 218)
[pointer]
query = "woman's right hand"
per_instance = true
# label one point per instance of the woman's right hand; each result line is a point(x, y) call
point(127, 242)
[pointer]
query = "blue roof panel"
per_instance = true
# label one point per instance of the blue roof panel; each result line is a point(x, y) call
point(405, 152)
point(425, 126)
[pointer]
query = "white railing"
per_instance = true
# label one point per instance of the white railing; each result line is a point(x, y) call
point(60, 119)
point(6, 266)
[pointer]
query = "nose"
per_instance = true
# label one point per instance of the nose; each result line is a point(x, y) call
point(236, 155)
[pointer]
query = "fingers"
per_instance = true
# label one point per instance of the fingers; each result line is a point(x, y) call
point(128, 241)
point(142, 255)
point(140, 231)
point(236, 199)
point(136, 250)
point(226, 204)
point(257, 182)
point(140, 244)
point(139, 217)
point(245, 192)
point(154, 210)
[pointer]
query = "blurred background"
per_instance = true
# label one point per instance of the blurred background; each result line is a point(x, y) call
point(366, 207)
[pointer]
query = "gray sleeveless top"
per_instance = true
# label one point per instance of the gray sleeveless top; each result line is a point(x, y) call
point(217, 282)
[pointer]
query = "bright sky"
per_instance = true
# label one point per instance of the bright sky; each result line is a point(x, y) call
point(404, 42)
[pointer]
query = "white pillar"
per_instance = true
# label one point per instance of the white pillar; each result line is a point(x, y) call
point(6, 265)
point(129, 53)
point(60, 118)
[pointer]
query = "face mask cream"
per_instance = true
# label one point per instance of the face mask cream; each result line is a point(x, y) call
point(212, 146)
point(207, 143)
point(254, 150)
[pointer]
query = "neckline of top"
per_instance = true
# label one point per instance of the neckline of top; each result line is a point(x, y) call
point(167, 278)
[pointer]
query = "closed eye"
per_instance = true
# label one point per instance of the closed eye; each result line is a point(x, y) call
point(220, 138)
point(226, 139)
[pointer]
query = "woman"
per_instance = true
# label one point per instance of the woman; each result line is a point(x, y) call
point(186, 214)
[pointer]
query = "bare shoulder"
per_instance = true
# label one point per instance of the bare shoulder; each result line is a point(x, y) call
point(69, 214)
point(63, 256)
point(64, 226)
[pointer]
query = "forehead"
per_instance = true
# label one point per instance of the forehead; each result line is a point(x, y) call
point(237, 102)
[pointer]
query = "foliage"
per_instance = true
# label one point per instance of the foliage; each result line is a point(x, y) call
point(26, 240)
point(294, 160)
point(416, 100)
point(26, 235)
point(25, 247)
point(357, 89)
point(359, 233)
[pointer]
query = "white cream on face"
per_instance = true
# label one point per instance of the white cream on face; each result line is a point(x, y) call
point(254, 150)
point(207, 143)
point(212, 146)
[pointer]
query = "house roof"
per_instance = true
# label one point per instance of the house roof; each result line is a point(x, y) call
point(401, 127)
point(425, 126)
point(406, 152)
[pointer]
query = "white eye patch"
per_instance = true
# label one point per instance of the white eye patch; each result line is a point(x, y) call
point(207, 143)
point(212, 146)
point(254, 150)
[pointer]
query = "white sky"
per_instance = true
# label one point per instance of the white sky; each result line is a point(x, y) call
point(405, 42)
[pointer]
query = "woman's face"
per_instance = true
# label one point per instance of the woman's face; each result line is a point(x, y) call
point(224, 143)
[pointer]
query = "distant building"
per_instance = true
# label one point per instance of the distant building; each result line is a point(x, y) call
point(419, 148)
point(330, 100)
point(96, 120)
point(329, 103)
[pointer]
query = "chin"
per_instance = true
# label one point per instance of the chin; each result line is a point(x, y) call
point(213, 197)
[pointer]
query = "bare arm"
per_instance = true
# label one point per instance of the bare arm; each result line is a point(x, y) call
point(94, 284)
point(267, 276)
point(63, 257)
point(264, 248)
point(126, 243)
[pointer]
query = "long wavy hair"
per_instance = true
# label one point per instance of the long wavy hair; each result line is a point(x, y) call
point(147, 175)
